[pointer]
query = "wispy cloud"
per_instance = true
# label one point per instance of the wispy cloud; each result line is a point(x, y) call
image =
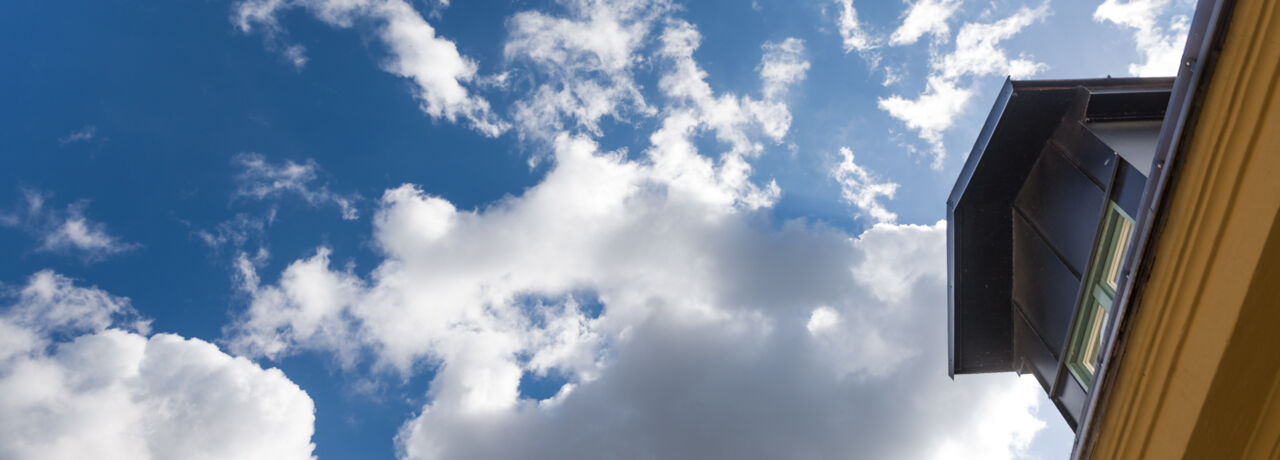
point(84, 134)
point(782, 66)
point(853, 33)
point(581, 78)
point(243, 237)
point(439, 71)
point(64, 231)
point(236, 232)
point(863, 189)
point(260, 179)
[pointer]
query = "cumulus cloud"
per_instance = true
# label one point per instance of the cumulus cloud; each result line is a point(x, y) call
point(433, 63)
point(881, 270)
point(852, 32)
point(1001, 428)
point(587, 189)
point(260, 179)
point(65, 231)
point(948, 87)
point(1160, 46)
point(706, 346)
point(74, 384)
point(925, 17)
point(863, 189)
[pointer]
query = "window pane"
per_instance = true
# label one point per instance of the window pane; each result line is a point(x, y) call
point(1119, 242)
point(1089, 357)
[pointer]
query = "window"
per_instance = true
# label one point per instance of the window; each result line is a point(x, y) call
point(1100, 290)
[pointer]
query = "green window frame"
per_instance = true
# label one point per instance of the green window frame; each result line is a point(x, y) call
point(1094, 309)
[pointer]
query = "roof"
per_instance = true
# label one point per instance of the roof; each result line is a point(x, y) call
point(979, 257)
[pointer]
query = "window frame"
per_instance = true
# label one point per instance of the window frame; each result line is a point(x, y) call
point(1093, 309)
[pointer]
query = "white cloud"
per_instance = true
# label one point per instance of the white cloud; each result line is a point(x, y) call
point(931, 112)
point(586, 189)
point(295, 54)
point(583, 67)
point(822, 319)
point(67, 231)
point(863, 189)
point(978, 50)
point(585, 62)
point(433, 63)
point(303, 308)
point(73, 387)
point(262, 180)
point(692, 106)
point(925, 17)
point(1161, 47)
point(852, 33)
point(706, 325)
point(885, 246)
point(782, 66)
point(259, 179)
point(892, 75)
point(236, 231)
point(77, 232)
point(85, 134)
point(1001, 428)
point(948, 89)
point(51, 302)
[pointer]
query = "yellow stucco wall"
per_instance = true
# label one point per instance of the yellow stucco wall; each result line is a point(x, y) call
point(1198, 372)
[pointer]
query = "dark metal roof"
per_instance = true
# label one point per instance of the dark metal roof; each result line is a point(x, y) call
point(1025, 115)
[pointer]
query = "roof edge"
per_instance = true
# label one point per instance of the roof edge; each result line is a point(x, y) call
point(980, 145)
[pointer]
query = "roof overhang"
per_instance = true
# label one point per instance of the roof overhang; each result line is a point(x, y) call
point(979, 256)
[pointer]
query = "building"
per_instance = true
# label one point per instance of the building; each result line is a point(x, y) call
point(1059, 165)
point(1119, 239)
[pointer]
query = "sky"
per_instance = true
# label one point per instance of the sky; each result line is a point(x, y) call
point(434, 229)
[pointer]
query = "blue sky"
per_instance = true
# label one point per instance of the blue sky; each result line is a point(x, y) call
point(642, 228)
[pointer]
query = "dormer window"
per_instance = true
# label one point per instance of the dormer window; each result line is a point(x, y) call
point(1098, 296)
